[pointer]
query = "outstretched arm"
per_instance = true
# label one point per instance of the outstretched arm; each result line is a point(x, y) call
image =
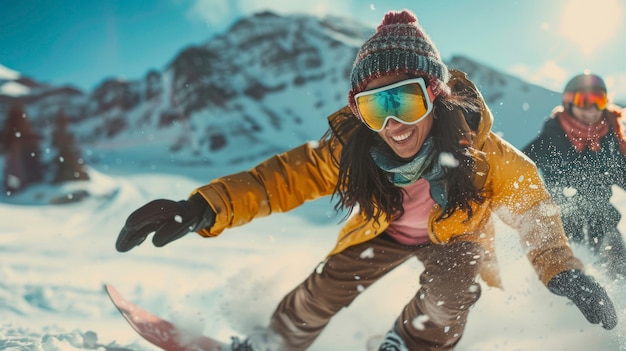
point(278, 184)
point(524, 203)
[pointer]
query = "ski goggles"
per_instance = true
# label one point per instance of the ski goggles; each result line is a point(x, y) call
point(587, 99)
point(407, 101)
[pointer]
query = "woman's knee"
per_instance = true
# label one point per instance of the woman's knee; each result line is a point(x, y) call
point(451, 282)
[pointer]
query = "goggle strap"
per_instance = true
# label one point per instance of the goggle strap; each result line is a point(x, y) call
point(431, 95)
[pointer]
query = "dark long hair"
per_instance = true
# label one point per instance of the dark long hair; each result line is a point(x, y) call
point(362, 183)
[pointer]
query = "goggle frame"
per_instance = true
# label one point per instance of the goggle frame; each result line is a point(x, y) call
point(426, 95)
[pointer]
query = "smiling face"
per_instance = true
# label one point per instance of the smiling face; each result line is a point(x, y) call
point(405, 140)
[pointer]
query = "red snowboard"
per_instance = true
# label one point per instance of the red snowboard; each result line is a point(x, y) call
point(161, 332)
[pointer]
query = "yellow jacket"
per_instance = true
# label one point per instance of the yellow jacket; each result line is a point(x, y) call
point(517, 195)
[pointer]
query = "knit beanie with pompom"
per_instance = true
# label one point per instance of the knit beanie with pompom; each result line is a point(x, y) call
point(399, 46)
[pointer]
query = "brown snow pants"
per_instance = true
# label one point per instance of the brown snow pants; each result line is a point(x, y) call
point(448, 288)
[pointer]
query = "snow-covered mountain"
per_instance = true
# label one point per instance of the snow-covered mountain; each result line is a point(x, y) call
point(12, 84)
point(262, 87)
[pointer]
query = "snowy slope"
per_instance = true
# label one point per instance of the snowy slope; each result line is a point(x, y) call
point(56, 258)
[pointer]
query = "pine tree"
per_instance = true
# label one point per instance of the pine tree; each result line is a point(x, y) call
point(23, 164)
point(69, 164)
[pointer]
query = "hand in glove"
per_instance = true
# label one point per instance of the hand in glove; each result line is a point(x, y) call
point(169, 220)
point(590, 298)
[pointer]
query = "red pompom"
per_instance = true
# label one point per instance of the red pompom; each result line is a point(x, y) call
point(395, 17)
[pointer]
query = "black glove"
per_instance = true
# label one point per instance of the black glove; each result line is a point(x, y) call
point(169, 220)
point(590, 298)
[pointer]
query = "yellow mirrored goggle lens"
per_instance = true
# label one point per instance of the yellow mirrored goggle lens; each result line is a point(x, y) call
point(586, 99)
point(406, 101)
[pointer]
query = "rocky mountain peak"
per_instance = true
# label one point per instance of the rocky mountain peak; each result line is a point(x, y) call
point(263, 86)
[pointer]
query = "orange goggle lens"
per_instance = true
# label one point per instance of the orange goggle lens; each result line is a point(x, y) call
point(407, 102)
point(587, 99)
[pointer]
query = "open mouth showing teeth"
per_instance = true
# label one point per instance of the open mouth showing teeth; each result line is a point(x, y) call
point(402, 137)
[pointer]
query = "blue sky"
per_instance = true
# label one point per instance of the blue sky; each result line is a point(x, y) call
point(82, 42)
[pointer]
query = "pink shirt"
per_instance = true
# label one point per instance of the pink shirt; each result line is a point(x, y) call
point(410, 229)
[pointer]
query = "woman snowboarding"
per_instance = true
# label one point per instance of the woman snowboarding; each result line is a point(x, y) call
point(413, 158)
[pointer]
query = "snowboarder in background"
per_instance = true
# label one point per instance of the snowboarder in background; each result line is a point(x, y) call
point(413, 158)
point(581, 154)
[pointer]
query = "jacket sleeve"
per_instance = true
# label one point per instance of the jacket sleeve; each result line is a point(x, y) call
point(278, 184)
point(521, 200)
